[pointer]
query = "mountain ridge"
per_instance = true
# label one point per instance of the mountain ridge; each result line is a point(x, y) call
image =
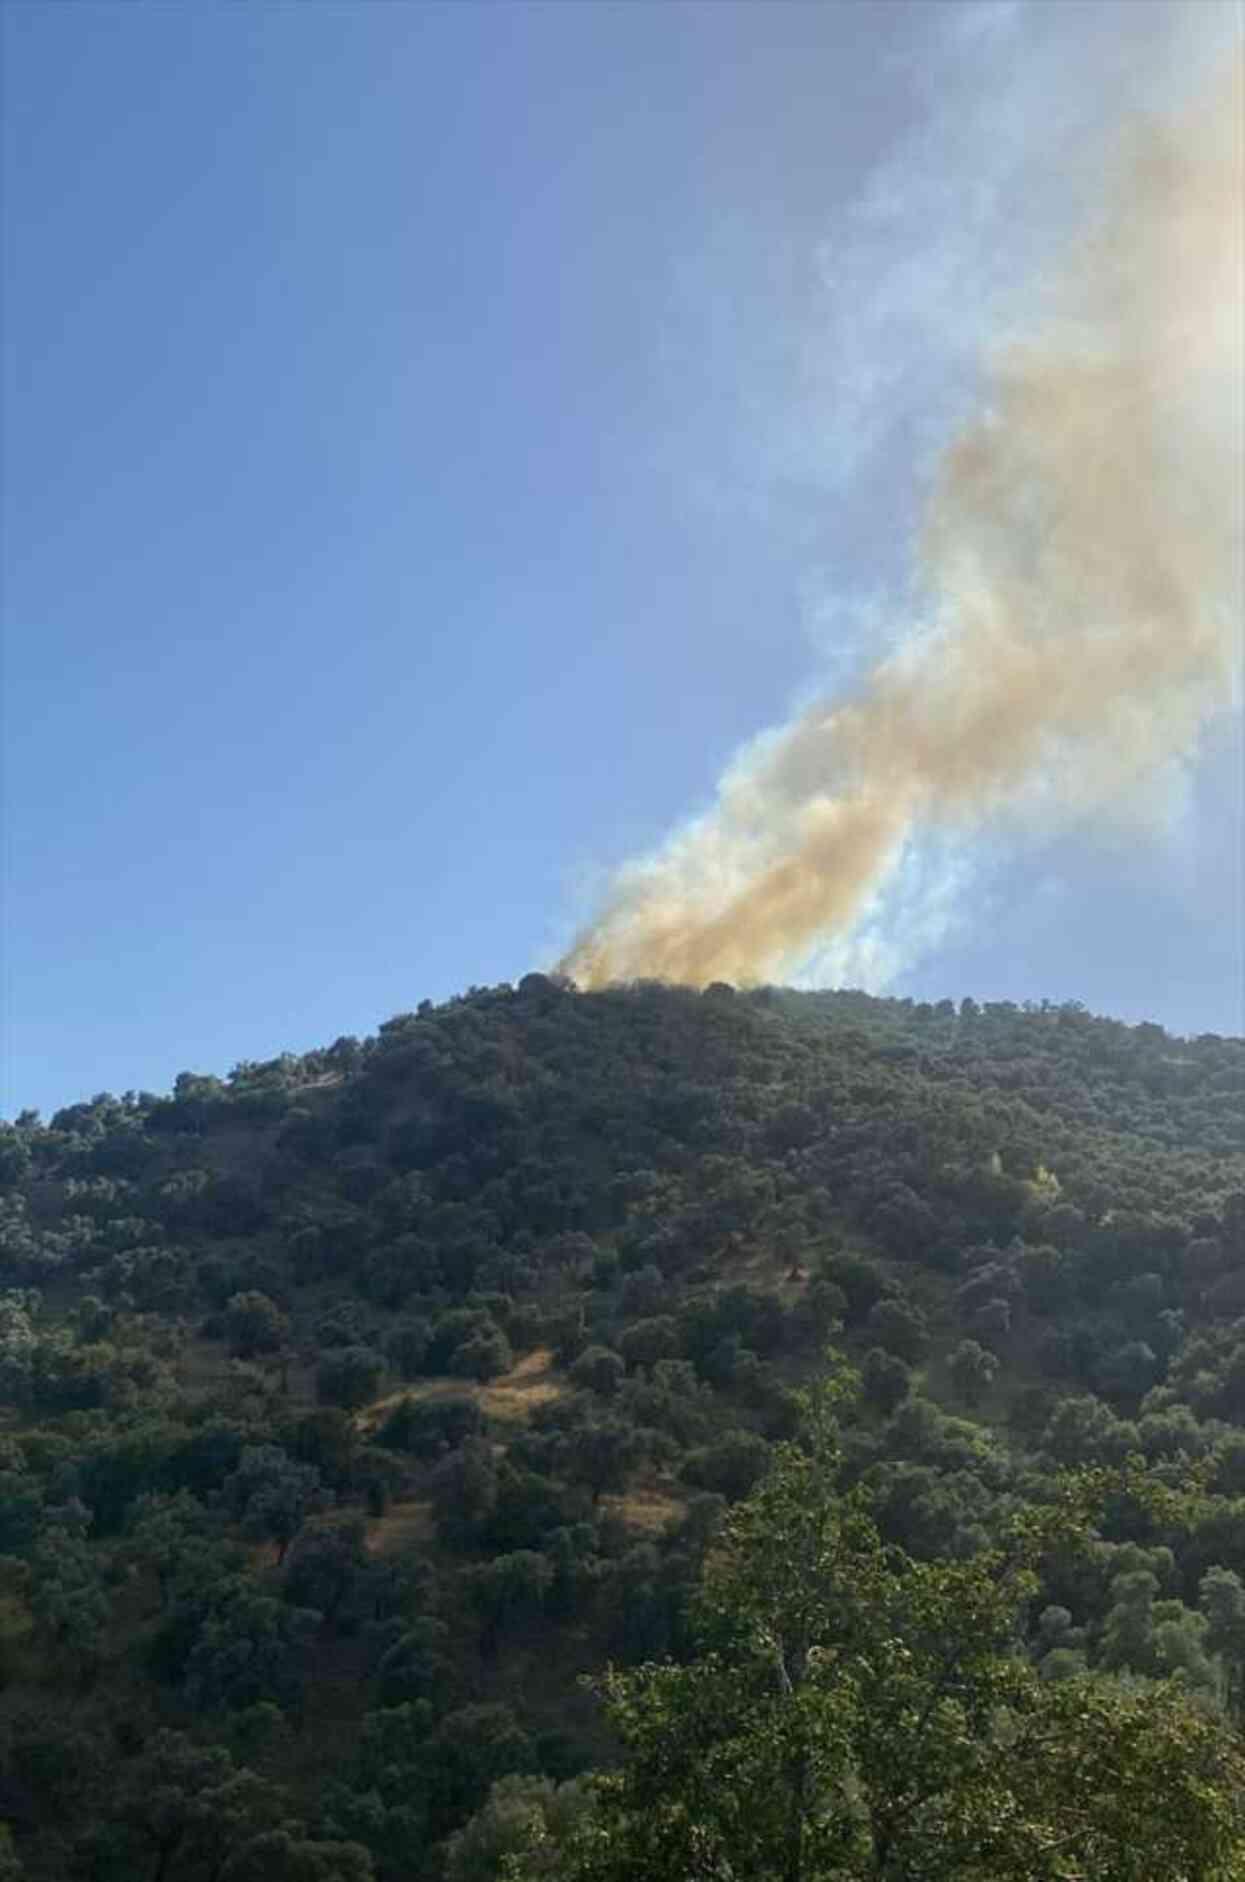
point(356, 1404)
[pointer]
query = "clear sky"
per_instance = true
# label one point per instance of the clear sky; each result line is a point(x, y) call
point(436, 436)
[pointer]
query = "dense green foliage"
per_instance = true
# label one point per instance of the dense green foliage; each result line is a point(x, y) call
point(355, 1406)
point(857, 1713)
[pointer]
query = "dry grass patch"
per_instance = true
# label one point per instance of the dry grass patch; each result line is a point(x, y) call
point(647, 1510)
point(403, 1526)
point(531, 1383)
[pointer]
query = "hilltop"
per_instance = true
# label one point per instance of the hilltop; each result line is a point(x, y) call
point(357, 1403)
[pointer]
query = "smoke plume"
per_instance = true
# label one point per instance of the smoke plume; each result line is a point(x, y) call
point(1080, 573)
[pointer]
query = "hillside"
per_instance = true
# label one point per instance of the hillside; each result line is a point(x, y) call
point(357, 1404)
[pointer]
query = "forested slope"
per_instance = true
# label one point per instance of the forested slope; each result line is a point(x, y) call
point(356, 1404)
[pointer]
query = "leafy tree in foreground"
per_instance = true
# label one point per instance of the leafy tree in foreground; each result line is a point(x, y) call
point(857, 1714)
point(517, 1811)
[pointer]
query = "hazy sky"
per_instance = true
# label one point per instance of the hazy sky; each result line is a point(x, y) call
point(436, 437)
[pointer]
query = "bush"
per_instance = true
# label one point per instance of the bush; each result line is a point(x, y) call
point(862, 1282)
point(406, 1347)
point(731, 1467)
point(885, 1379)
point(647, 1342)
point(254, 1324)
point(484, 1356)
point(972, 1371)
point(428, 1428)
point(598, 1370)
point(899, 1327)
point(472, 1327)
point(350, 1376)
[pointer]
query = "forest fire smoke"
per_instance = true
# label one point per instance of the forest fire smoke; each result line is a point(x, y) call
point(1081, 556)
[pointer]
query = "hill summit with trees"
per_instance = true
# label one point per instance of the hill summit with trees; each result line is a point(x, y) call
point(794, 1437)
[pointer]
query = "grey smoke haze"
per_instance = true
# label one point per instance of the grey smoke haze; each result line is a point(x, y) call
point(1079, 591)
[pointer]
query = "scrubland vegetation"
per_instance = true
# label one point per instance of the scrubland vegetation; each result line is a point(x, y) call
point(633, 1434)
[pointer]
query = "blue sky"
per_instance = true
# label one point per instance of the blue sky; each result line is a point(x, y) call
point(436, 436)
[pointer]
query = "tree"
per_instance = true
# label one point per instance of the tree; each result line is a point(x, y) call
point(647, 1342)
point(1130, 1370)
point(900, 1327)
point(1221, 1598)
point(428, 1428)
point(886, 1380)
point(1048, 1278)
point(471, 1327)
point(509, 1591)
point(383, 1803)
point(598, 1370)
point(416, 1667)
point(21, 1511)
point(349, 1376)
point(249, 1648)
point(18, 1340)
point(289, 1855)
point(644, 1292)
point(517, 1812)
point(1060, 1647)
point(463, 1488)
point(468, 1752)
point(328, 1440)
point(166, 1533)
point(273, 1496)
point(327, 1565)
point(406, 1347)
point(181, 1806)
point(600, 1452)
point(254, 1324)
point(390, 1831)
point(820, 1311)
point(731, 1467)
point(856, 1714)
point(1085, 1431)
point(861, 1282)
point(973, 1370)
point(485, 1354)
point(993, 1319)
point(50, 1764)
point(67, 1599)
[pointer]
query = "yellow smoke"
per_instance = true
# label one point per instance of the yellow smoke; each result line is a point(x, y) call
point(1082, 558)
